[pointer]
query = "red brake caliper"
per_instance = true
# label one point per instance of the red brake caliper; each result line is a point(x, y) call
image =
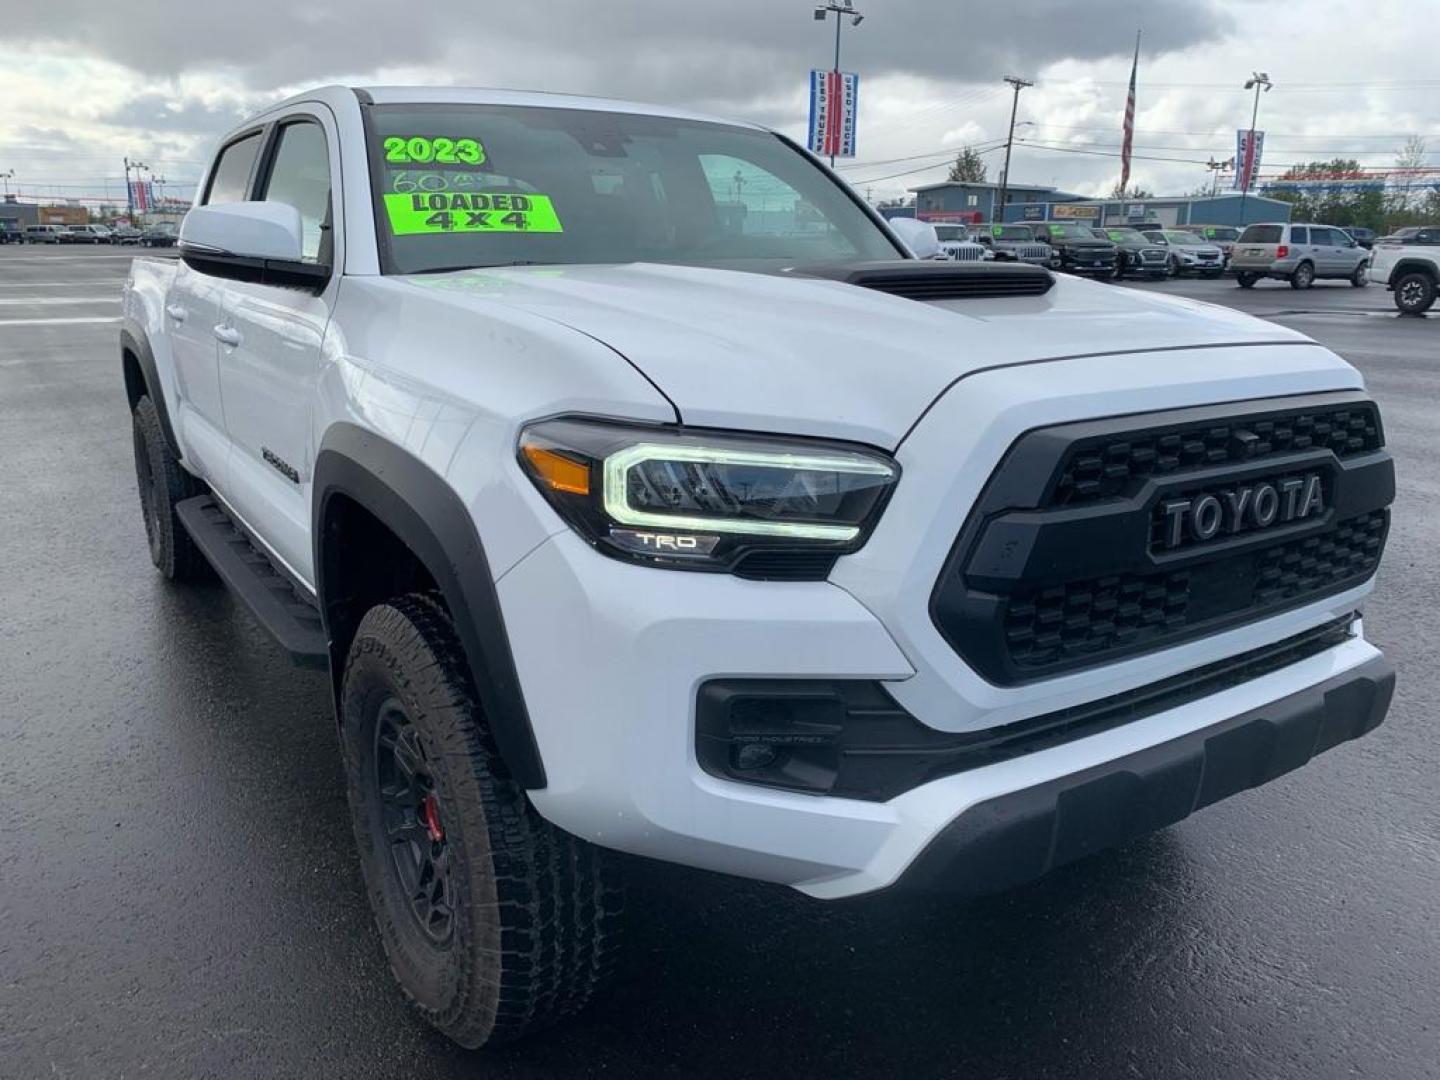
point(430, 814)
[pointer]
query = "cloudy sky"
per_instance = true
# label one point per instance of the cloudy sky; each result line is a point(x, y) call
point(85, 82)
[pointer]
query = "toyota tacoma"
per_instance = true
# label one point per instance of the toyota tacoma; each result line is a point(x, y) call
point(640, 492)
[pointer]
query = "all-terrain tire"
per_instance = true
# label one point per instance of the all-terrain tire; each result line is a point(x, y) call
point(1414, 293)
point(533, 912)
point(162, 482)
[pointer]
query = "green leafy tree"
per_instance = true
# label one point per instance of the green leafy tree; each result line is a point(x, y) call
point(968, 167)
point(1135, 191)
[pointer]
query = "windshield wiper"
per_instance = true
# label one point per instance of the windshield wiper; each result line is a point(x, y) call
point(480, 266)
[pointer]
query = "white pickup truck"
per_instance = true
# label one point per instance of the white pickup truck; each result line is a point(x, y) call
point(1408, 264)
point(640, 492)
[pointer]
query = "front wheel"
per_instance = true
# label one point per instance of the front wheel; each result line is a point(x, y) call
point(1361, 277)
point(1302, 277)
point(1414, 293)
point(495, 922)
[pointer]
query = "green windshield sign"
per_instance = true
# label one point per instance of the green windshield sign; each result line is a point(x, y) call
point(470, 211)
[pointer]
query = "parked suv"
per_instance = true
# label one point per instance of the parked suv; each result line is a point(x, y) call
point(89, 234)
point(1016, 243)
point(777, 552)
point(45, 234)
point(1299, 254)
point(1079, 249)
point(1222, 236)
point(1186, 253)
point(956, 245)
point(1409, 266)
point(1136, 254)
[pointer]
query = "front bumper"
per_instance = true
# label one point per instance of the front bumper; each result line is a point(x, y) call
point(1015, 838)
point(612, 656)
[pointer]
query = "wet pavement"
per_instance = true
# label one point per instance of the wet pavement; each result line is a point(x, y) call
point(179, 898)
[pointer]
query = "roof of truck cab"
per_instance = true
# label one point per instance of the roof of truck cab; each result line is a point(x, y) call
point(480, 95)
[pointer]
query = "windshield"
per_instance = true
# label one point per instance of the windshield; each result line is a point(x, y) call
point(1010, 232)
point(952, 232)
point(1071, 232)
point(488, 185)
point(1183, 238)
point(1125, 236)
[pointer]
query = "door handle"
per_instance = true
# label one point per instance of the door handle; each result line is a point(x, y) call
point(227, 335)
point(176, 312)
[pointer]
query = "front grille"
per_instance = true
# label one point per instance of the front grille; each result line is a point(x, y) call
point(1104, 467)
point(966, 254)
point(1069, 558)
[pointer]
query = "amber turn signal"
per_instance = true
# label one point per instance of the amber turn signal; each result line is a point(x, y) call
point(557, 472)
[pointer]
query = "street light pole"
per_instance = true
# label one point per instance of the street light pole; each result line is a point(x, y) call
point(1258, 80)
point(1019, 84)
point(841, 8)
point(7, 176)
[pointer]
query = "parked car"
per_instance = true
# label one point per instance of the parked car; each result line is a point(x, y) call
point(1186, 253)
point(956, 245)
point(1136, 255)
point(88, 234)
point(161, 235)
point(126, 234)
point(782, 554)
point(1016, 243)
point(1222, 236)
point(1410, 268)
point(11, 233)
point(1298, 253)
point(1080, 250)
point(45, 234)
point(1362, 236)
point(1412, 234)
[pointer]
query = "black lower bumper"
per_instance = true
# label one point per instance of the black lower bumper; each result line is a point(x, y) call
point(1016, 838)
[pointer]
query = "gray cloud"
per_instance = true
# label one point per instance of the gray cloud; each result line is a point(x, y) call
point(664, 49)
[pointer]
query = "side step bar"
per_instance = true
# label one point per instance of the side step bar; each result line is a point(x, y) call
point(291, 618)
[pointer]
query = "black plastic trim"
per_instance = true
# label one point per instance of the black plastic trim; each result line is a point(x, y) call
point(850, 738)
point(926, 280)
point(1013, 537)
point(420, 508)
point(1015, 838)
point(134, 341)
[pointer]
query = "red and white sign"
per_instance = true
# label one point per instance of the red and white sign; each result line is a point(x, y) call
point(834, 96)
point(142, 195)
point(1249, 146)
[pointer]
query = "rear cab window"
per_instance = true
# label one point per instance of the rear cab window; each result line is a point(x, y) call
point(230, 179)
point(1262, 234)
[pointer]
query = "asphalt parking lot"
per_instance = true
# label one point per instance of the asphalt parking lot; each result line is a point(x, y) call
point(178, 894)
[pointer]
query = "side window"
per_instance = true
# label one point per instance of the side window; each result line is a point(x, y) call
point(232, 171)
point(300, 176)
point(1428, 236)
point(1299, 235)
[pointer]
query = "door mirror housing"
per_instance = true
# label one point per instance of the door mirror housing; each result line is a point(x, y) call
point(250, 241)
point(918, 236)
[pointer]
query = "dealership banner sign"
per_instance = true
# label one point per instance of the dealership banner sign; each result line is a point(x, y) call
point(1249, 145)
point(834, 96)
point(1083, 213)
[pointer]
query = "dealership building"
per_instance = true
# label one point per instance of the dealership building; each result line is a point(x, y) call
point(972, 202)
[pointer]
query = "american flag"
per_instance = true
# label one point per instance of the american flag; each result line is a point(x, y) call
point(1129, 135)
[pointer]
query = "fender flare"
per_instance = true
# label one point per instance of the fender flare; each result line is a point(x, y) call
point(133, 340)
point(418, 506)
point(1412, 263)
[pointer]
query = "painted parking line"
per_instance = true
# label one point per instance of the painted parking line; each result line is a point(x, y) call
point(117, 280)
point(26, 301)
point(61, 322)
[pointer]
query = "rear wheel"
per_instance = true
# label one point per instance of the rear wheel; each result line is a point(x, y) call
point(1303, 276)
point(1245, 279)
point(1360, 278)
point(495, 922)
point(162, 483)
point(1414, 293)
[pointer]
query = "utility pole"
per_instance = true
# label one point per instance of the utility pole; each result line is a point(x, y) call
point(7, 176)
point(841, 8)
point(1019, 84)
point(1258, 80)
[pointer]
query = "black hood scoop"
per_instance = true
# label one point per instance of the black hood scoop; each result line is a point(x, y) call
point(916, 279)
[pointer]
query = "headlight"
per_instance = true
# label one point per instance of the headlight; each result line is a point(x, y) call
point(700, 500)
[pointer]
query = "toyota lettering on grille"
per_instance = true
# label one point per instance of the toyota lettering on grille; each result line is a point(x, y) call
point(1243, 508)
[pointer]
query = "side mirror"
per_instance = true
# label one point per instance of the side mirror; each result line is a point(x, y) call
point(918, 236)
point(250, 241)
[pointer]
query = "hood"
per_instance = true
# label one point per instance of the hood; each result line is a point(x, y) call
point(805, 356)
